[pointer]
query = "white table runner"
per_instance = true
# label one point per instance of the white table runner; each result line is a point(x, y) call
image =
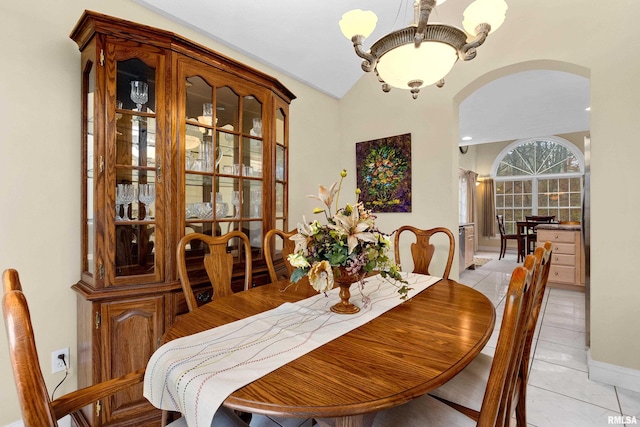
point(195, 374)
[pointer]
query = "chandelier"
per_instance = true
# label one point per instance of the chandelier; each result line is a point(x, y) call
point(423, 53)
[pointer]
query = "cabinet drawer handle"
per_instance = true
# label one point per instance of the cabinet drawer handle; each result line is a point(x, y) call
point(556, 273)
point(557, 236)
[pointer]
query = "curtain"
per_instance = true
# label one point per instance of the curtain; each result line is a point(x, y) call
point(487, 207)
point(471, 195)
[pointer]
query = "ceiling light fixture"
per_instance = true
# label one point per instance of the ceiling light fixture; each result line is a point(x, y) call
point(422, 53)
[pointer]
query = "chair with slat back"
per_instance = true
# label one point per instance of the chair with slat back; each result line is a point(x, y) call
point(422, 250)
point(495, 410)
point(504, 238)
point(218, 263)
point(288, 247)
point(37, 408)
point(466, 390)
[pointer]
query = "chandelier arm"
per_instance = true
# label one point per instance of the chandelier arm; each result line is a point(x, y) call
point(369, 60)
point(424, 11)
point(468, 51)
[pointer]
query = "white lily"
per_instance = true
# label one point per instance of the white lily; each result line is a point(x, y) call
point(326, 195)
point(301, 238)
point(354, 228)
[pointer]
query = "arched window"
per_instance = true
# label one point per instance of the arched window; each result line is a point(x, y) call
point(538, 176)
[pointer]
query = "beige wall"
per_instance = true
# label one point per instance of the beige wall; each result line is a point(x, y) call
point(39, 151)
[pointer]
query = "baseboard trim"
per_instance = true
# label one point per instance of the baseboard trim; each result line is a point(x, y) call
point(614, 375)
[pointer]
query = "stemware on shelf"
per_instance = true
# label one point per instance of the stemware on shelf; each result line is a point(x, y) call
point(256, 203)
point(222, 208)
point(119, 200)
point(146, 195)
point(128, 197)
point(236, 198)
point(139, 93)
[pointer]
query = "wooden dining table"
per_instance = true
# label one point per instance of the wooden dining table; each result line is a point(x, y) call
point(400, 355)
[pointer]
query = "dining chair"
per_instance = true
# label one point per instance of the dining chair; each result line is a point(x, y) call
point(504, 238)
point(422, 250)
point(465, 391)
point(288, 246)
point(501, 384)
point(218, 263)
point(532, 221)
point(36, 406)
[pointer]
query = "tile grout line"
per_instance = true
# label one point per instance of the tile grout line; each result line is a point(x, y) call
point(574, 398)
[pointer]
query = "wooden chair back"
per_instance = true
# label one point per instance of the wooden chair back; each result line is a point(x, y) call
point(422, 250)
point(503, 377)
point(218, 264)
point(11, 281)
point(37, 408)
point(288, 247)
point(501, 228)
point(540, 218)
point(542, 256)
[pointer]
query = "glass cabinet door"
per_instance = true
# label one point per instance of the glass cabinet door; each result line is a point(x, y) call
point(281, 174)
point(88, 165)
point(223, 155)
point(137, 190)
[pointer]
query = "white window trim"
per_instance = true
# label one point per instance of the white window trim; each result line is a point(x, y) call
point(560, 141)
point(534, 178)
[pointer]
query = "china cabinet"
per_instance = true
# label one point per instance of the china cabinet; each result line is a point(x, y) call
point(176, 138)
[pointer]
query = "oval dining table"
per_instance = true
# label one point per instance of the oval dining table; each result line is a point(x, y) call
point(400, 355)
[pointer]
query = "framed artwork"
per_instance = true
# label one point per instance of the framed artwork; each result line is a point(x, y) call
point(383, 168)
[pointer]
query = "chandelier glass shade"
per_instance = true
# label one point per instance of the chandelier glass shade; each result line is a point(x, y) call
point(421, 54)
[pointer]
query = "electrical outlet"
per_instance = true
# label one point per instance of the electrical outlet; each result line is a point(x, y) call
point(57, 365)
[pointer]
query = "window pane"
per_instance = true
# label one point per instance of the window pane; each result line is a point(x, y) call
point(575, 200)
point(538, 157)
point(517, 201)
point(508, 201)
point(574, 184)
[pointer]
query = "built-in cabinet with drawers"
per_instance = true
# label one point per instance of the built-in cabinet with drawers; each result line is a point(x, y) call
point(176, 138)
point(567, 262)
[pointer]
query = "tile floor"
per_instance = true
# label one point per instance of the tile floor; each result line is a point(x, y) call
point(559, 392)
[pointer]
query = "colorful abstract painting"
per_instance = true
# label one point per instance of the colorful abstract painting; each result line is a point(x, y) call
point(384, 173)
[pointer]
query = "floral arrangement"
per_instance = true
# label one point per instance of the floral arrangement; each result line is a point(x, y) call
point(349, 241)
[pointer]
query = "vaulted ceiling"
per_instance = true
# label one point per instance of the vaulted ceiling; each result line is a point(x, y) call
point(302, 39)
